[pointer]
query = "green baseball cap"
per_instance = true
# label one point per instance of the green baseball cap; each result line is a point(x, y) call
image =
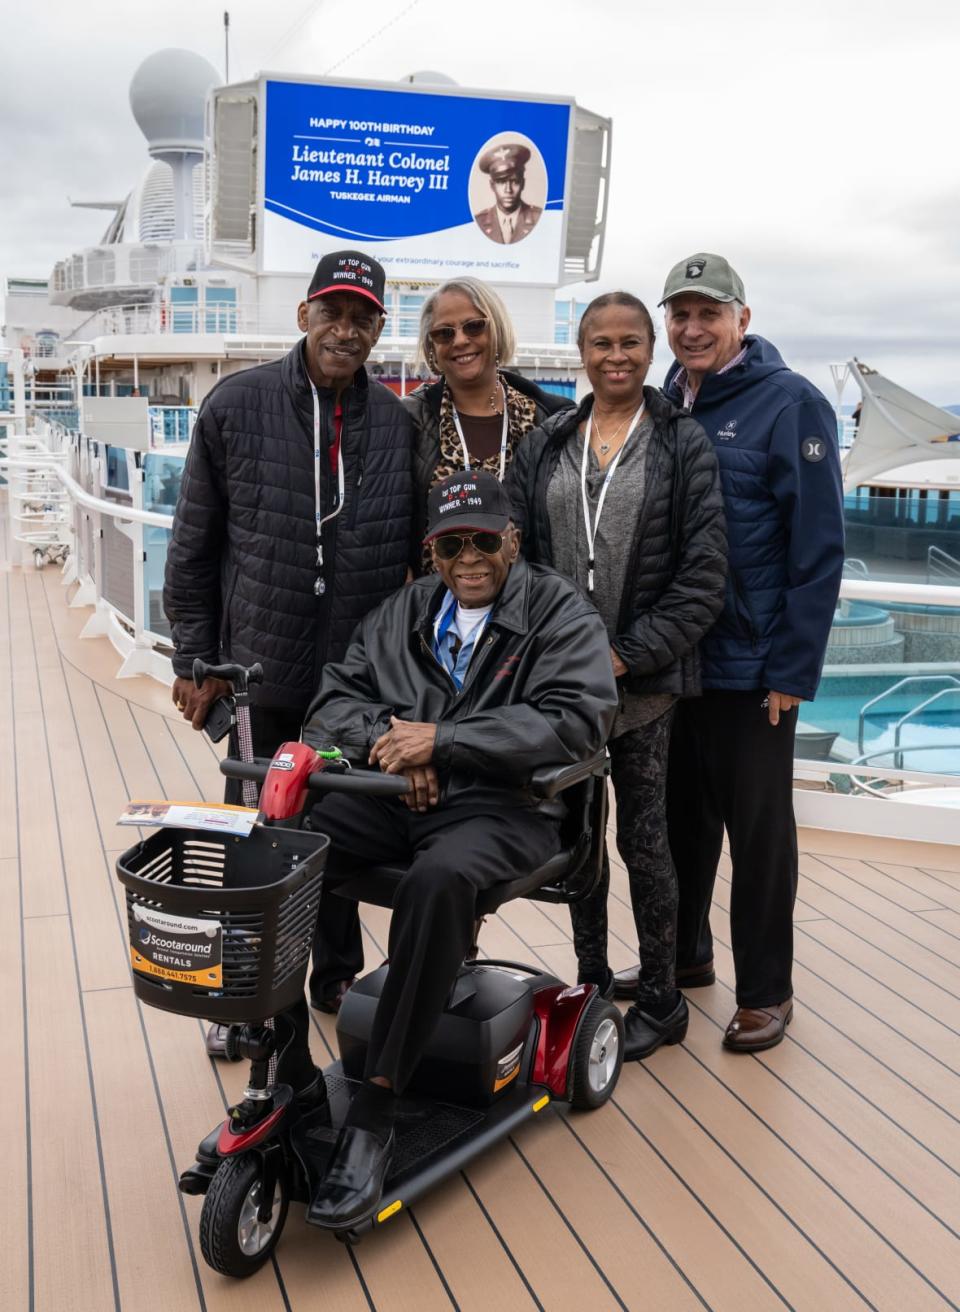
point(706, 275)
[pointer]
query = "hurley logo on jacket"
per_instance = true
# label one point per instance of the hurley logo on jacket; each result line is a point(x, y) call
point(728, 432)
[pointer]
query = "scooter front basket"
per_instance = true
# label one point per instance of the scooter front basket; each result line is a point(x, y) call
point(221, 927)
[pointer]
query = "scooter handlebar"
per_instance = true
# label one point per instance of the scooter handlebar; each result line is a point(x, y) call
point(369, 782)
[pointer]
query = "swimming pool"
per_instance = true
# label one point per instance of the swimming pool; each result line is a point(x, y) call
point(837, 710)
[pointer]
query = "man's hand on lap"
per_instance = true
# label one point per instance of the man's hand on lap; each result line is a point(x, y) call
point(407, 743)
point(424, 787)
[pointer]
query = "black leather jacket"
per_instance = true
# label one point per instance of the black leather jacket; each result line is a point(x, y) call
point(539, 690)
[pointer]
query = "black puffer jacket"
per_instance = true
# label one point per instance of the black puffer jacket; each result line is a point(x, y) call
point(424, 408)
point(242, 562)
point(538, 691)
point(675, 576)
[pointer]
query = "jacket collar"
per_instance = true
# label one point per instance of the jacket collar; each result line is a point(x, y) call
point(511, 610)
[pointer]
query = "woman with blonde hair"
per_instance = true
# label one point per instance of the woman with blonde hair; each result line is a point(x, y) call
point(476, 412)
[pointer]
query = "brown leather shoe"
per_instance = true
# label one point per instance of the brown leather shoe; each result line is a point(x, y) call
point(688, 977)
point(755, 1028)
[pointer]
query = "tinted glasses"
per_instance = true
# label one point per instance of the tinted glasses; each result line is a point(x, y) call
point(444, 335)
point(449, 545)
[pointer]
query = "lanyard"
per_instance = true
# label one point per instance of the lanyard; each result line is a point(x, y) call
point(591, 527)
point(503, 435)
point(320, 586)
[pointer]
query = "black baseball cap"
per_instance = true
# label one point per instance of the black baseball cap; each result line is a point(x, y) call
point(472, 499)
point(349, 271)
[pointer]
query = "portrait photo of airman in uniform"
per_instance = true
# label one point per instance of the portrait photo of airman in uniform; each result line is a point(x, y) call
point(510, 218)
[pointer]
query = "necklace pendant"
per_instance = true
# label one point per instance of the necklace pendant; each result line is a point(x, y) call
point(604, 448)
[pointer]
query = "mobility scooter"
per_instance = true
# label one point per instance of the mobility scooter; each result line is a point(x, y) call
point(221, 929)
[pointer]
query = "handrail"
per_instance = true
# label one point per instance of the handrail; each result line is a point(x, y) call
point(915, 710)
point(941, 564)
point(113, 508)
point(896, 772)
point(887, 692)
point(921, 594)
point(857, 567)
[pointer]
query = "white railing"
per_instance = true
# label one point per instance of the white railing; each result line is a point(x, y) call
point(99, 527)
point(90, 520)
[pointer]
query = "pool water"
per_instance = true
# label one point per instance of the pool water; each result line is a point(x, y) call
point(937, 727)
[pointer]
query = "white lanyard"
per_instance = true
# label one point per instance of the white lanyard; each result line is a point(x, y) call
point(320, 586)
point(591, 528)
point(503, 435)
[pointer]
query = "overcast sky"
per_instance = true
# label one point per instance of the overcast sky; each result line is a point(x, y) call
point(814, 143)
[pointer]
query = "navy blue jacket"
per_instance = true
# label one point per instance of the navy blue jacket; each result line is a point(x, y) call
point(775, 437)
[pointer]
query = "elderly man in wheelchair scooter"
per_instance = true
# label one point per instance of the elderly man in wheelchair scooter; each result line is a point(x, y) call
point(464, 683)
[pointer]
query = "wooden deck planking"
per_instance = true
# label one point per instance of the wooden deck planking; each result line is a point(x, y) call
point(15, 1196)
point(821, 1174)
point(72, 1228)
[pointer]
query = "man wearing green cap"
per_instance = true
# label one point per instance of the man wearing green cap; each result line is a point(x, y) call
point(731, 756)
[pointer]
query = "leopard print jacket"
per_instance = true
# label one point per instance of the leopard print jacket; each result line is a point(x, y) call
point(521, 419)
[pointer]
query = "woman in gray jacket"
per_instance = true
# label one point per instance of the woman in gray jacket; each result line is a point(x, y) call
point(623, 496)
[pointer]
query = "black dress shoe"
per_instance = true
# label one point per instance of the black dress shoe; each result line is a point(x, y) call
point(329, 1001)
point(645, 1034)
point(350, 1191)
point(688, 977)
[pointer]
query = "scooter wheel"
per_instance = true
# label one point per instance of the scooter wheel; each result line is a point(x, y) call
point(232, 1239)
point(597, 1055)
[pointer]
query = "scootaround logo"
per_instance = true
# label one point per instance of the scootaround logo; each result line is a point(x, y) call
point(695, 268)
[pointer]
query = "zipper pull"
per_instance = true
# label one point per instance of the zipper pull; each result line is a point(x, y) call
point(360, 473)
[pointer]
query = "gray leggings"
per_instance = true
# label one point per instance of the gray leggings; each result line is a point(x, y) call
point(639, 771)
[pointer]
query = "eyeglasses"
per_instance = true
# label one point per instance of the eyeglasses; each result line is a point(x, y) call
point(445, 335)
point(449, 546)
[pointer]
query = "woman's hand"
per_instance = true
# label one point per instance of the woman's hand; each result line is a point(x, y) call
point(619, 669)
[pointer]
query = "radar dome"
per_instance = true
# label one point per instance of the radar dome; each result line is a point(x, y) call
point(167, 96)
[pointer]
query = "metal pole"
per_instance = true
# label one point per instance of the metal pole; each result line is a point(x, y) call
point(839, 373)
point(226, 46)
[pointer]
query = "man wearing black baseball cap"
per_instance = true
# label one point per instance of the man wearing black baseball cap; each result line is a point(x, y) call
point(294, 516)
point(465, 682)
point(731, 750)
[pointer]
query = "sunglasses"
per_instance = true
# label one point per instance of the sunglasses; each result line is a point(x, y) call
point(449, 545)
point(445, 335)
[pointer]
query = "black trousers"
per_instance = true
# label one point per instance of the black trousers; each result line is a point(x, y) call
point(452, 854)
point(638, 769)
point(269, 727)
point(729, 767)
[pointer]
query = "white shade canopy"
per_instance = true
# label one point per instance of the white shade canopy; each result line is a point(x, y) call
point(896, 428)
